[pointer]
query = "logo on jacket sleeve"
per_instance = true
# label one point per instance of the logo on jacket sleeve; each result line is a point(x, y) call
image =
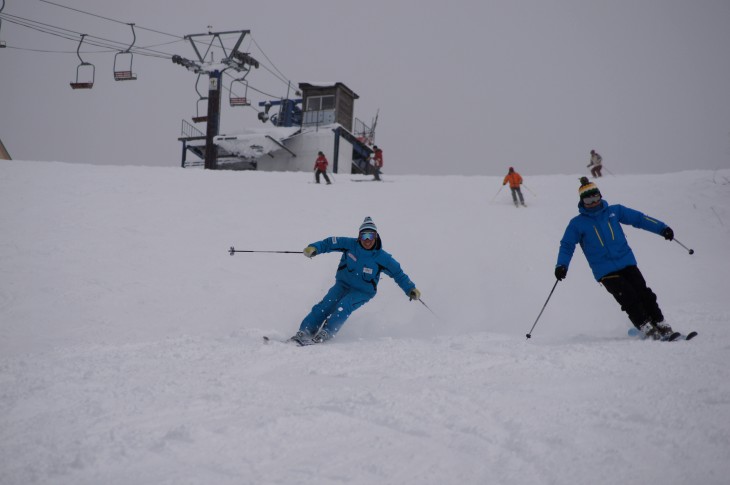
point(351, 256)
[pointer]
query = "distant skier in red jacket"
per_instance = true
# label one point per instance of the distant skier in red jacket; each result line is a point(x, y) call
point(377, 161)
point(320, 167)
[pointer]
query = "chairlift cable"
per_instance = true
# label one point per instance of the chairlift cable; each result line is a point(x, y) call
point(48, 51)
point(267, 58)
point(112, 45)
point(107, 18)
point(73, 35)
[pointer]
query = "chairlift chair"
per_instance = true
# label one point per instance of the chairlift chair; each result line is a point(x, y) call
point(198, 118)
point(123, 64)
point(85, 68)
point(2, 42)
point(234, 98)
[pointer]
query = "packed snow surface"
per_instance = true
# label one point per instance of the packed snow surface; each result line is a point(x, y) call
point(131, 347)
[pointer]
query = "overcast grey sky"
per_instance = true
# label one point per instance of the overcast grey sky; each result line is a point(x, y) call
point(463, 87)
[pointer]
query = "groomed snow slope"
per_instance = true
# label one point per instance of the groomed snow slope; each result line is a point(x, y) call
point(131, 349)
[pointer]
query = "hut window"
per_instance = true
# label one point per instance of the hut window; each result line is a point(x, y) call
point(320, 103)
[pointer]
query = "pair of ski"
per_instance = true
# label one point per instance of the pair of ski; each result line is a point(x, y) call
point(297, 342)
point(635, 332)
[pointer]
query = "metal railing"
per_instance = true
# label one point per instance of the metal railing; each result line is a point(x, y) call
point(363, 132)
point(189, 131)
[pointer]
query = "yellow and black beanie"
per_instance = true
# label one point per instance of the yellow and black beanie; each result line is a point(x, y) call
point(587, 188)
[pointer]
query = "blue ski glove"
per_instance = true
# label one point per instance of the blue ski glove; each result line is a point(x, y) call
point(561, 272)
point(310, 251)
point(414, 294)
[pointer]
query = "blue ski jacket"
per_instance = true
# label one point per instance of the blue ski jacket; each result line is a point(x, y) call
point(599, 233)
point(360, 268)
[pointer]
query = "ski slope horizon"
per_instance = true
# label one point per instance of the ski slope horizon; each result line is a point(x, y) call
point(131, 349)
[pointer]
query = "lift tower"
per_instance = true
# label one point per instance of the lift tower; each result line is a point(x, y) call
point(233, 59)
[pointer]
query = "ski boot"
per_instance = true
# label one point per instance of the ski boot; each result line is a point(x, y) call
point(650, 331)
point(302, 338)
point(322, 336)
point(664, 329)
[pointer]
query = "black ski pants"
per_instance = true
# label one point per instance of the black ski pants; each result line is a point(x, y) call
point(317, 173)
point(629, 289)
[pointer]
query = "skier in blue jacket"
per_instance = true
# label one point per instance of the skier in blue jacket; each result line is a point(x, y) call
point(598, 231)
point(356, 281)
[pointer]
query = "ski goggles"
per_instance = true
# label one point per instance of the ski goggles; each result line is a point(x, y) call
point(591, 199)
point(367, 236)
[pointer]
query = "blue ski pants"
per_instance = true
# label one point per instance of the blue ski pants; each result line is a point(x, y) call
point(336, 306)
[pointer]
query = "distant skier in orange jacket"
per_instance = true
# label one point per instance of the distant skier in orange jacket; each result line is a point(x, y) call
point(515, 180)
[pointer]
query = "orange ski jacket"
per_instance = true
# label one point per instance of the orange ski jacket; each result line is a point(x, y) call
point(514, 180)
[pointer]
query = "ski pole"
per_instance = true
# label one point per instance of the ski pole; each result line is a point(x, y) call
point(233, 250)
point(495, 195)
point(432, 312)
point(690, 251)
point(528, 188)
point(529, 334)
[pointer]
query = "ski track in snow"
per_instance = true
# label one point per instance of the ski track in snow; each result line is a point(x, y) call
point(131, 355)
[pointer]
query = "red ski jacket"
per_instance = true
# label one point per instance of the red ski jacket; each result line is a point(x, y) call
point(321, 163)
point(378, 158)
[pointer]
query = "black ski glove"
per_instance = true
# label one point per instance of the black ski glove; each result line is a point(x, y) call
point(561, 272)
point(668, 233)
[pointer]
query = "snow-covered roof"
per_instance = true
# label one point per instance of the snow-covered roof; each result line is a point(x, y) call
point(254, 143)
point(305, 85)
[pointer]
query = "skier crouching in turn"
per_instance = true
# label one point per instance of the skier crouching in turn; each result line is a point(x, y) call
point(604, 244)
point(356, 281)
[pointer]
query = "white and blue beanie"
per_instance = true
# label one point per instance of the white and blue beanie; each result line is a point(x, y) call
point(368, 225)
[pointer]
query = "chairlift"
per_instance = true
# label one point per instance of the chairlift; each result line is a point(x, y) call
point(2, 42)
point(234, 98)
point(123, 64)
point(198, 118)
point(84, 68)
